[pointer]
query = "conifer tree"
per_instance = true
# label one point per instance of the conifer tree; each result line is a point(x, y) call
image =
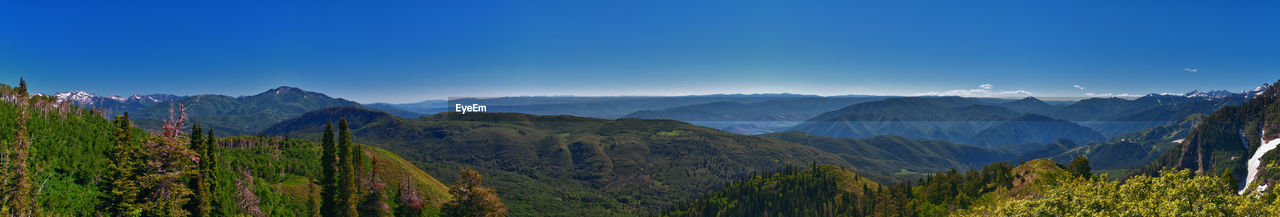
point(18, 197)
point(210, 163)
point(347, 191)
point(329, 173)
point(198, 206)
point(121, 185)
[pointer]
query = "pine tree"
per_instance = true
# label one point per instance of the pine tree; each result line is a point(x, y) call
point(198, 206)
point(121, 190)
point(347, 191)
point(22, 86)
point(18, 197)
point(328, 179)
point(472, 199)
point(210, 163)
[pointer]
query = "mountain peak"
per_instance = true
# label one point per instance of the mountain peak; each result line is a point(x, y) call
point(283, 90)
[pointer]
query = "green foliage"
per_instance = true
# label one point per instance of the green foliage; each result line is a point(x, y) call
point(85, 165)
point(123, 187)
point(17, 192)
point(329, 173)
point(471, 199)
point(347, 192)
point(1080, 167)
point(199, 205)
point(821, 191)
point(1173, 193)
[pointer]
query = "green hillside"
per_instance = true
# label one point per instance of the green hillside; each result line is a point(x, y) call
point(69, 160)
point(894, 158)
point(563, 165)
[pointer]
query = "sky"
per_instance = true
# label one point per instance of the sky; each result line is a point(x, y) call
point(409, 51)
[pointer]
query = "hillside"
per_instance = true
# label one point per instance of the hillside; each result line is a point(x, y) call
point(753, 118)
point(896, 158)
point(1033, 129)
point(563, 165)
point(953, 119)
point(69, 153)
point(816, 191)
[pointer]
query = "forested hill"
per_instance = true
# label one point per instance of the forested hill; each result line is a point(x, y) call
point(571, 166)
point(62, 160)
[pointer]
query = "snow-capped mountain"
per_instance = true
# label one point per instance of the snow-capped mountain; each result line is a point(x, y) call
point(1218, 94)
point(115, 103)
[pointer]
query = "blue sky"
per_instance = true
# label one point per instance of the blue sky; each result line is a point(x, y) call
point(408, 51)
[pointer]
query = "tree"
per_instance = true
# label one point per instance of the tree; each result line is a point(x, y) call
point(166, 163)
point(347, 191)
point(329, 173)
point(209, 164)
point(373, 205)
point(121, 192)
point(199, 204)
point(247, 200)
point(470, 199)
point(18, 197)
point(411, 202)
point(1228, 178)
point(1080, 167)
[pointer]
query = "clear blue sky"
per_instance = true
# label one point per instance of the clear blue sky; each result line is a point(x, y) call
point(407, 51)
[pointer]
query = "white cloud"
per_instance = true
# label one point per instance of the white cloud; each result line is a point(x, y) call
point(1192, 70)
point(1078, 86)
point(1121, 95)
point(983, 90)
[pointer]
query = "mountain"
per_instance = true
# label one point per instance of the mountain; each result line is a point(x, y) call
point(392, 109)
point(1016, 133)
point(1030, 105)
point(569, 166)
point(248, 114)
point(1227, 139)
point(895, 158)
point(115, 104)
point(753, 118)
point(953, 119)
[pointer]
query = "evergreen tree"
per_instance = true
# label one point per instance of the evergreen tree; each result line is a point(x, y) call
point(347, 191)
point(329, 173)
point(18, 197)
point(198, 206)
point(1080, 167)
point(22, 86)
point(209, 164)
point(470, 199)
point(121, 188)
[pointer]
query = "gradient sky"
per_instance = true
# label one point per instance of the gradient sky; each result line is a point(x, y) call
point(408, 51)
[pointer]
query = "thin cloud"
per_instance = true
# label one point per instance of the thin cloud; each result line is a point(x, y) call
point(984, 90)
point(1192, 70)
point(1078, 86)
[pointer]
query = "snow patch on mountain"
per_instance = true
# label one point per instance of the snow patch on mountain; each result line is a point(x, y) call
point(1256, 161)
